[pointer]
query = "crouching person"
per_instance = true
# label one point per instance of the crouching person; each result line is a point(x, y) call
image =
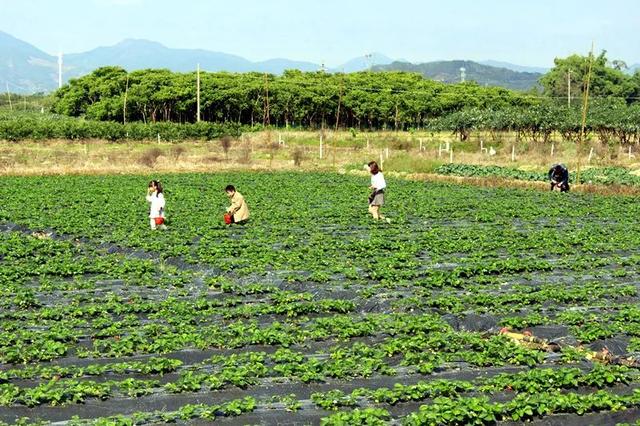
point(238, 211)
point(559, 178)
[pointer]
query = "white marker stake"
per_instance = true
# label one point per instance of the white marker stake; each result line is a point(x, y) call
point(513, 153)
point(553, 148)
point(158, 137)
point(451, 155)
point(590, 155)
point(386, 153)
point(629, 152)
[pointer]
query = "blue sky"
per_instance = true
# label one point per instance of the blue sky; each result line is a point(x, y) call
point(530, 32)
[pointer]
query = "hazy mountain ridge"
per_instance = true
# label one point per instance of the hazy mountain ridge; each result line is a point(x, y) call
point(514, 67)
point(27, 69)
point(450, 72)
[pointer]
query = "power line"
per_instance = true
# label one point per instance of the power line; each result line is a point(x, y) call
point(17, 86)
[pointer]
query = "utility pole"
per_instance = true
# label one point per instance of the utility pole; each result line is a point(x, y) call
point(569, 88)
point(340, 100)
point(9, 97)
point(59, 70)
point(266, 121)
point(124, 105)
point(396, 118)
point(585, 106)
point(198, 94)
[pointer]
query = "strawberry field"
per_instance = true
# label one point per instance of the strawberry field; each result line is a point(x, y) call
point(594, 175)
point(473, 306)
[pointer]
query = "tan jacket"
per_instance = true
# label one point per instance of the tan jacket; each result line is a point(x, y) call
point(239, 208)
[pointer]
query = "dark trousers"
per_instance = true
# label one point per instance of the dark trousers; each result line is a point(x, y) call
point(241, 222)
point(564, 187)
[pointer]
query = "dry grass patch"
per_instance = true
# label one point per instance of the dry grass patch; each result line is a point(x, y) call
point(298, 155)
point(177, 151)
point(150, 157)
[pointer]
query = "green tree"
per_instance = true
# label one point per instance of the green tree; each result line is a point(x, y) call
point(606, 80)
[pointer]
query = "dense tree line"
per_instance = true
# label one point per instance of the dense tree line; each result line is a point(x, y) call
point(393, 100)
point(365, 100)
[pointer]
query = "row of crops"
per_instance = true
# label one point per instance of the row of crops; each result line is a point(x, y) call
point(608, 123)
point(34, 126)
point(526, 123)
point(593, 175)
point(312, 312)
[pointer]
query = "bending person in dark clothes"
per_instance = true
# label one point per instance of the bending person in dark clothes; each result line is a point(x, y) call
point(559, 178)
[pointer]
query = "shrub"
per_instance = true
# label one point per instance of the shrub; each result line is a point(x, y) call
point(150, 157)
point(15, 127)
point(177, 151)
point(297, 155)
point(225, 142)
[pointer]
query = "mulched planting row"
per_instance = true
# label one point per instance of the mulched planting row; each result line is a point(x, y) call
point(425, 297)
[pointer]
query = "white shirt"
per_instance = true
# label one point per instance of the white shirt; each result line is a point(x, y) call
point(157, 204)
point(378, 182)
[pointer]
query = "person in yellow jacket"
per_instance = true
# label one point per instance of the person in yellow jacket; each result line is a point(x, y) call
point(238, 210)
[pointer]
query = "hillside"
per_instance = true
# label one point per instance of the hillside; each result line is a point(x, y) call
point(449, 72)
point(25, 68)
point(514, 67)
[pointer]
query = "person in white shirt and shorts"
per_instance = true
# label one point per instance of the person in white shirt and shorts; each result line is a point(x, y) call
point(378, 185)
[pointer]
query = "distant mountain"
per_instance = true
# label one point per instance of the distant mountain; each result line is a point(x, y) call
point(449, 72)
point(139, 54)
point(25, 68)
point(135, 54)
point(514, 67)
point(278, 65)
point(28, 69)
point(363, 63)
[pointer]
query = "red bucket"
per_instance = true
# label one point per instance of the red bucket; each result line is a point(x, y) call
point(228, 218)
